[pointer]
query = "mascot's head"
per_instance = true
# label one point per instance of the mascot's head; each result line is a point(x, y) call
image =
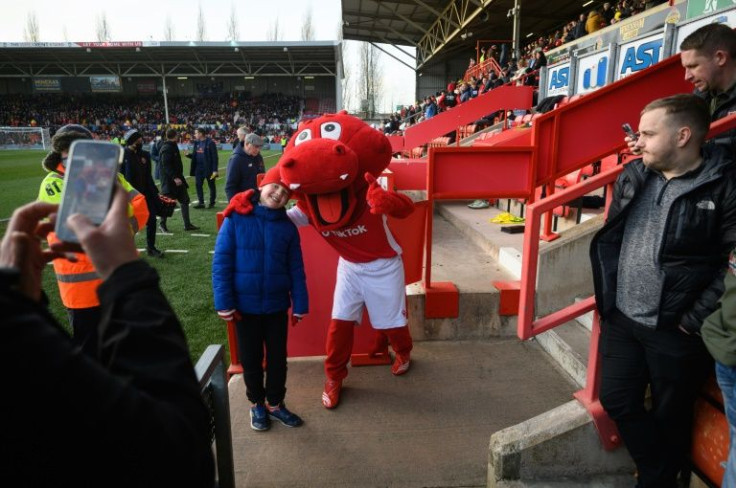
point(325, 163)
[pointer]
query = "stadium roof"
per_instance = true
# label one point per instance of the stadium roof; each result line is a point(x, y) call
point(138, 59)
point(440, 28)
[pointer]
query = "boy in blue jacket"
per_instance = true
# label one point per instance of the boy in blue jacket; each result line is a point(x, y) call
point(257, 273)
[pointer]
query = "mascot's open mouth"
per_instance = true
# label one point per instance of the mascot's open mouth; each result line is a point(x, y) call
point(330, 208)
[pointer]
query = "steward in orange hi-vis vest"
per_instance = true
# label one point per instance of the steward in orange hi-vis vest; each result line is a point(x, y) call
point(78, 281)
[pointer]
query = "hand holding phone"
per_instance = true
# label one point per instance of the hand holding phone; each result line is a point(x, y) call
point(632, 138)
point(91, 172)
point(630, 132)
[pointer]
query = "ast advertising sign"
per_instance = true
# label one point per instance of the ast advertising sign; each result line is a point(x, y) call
point(558, 79)
point(593, 71)
point(640, 54)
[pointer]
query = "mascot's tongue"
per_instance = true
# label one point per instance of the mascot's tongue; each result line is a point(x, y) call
point(330, 207)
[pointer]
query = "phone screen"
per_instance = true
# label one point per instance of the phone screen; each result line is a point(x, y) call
point(91, 171)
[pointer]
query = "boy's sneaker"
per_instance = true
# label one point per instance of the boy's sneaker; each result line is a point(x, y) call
point(259, 417)
point(191, 227)
point(331, 393)
point(283, 415)
point(401, 365)
point(163, 227)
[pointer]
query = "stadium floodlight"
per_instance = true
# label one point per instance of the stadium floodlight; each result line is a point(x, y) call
point(24, 138)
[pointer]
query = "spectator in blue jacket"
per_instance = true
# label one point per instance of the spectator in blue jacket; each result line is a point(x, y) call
point(257, 273)
point(244, 165)
point(204, 166)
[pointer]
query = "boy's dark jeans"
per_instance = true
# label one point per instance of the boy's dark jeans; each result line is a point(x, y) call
point(675, 365)
point(255, 332)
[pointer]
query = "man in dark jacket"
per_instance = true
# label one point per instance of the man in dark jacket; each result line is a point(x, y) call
point(173, 183)
point(204, 166)
point(245, 163)
point(136, 168)
point(658, 268)
point(129, 415)
point(709, 58)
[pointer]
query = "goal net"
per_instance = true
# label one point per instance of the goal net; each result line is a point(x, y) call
point(24, 138)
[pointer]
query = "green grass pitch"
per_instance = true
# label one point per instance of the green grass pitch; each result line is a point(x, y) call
point(185, 275)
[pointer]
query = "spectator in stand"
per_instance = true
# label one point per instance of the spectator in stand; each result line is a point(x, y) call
point(658, 272)
point(136, 169)
point(204, 166)
point(430, 109)
point(244, 165)
point(580, 27)
point(594, 22)
point(173, 183)
point(607, 13)
point(128, 415)
point(482, 57)
point(76, 276)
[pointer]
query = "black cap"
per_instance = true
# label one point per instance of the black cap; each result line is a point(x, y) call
point(131, 136)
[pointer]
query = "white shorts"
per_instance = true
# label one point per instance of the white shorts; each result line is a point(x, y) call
point(379, 285)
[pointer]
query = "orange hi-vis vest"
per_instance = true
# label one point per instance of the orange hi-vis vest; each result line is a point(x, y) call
point(78, 281)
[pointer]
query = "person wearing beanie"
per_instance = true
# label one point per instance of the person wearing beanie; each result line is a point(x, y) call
point(136, 168)
point(257, 274)
point(77, 278)
point(245, 163)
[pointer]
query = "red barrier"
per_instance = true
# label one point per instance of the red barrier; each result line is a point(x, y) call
point(501, 98)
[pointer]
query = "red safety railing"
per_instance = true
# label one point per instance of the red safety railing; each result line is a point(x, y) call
point(501, 98)
point(529, 326)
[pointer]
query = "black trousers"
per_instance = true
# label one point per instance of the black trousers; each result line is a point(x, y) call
point(151, 222)
point(199, 180)
point(85, 324)
point(675, 366)
point(255, 332)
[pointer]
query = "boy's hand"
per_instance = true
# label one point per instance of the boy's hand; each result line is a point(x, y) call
point(229, 315)
point(296, 318)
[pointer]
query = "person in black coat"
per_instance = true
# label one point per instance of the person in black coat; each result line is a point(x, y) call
point(244, 165)
point(173, 183)
point(131, 413)
point(136, 168)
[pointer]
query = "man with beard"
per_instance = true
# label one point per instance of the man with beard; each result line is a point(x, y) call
point(658, 268)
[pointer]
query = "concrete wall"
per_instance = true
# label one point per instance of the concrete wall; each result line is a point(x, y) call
point(567, 256)
point(557, 448)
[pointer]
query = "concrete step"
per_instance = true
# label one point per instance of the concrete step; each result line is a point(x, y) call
point(569, 346)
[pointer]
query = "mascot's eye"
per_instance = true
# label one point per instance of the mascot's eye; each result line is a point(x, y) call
point(331, 130)
point(303, 136)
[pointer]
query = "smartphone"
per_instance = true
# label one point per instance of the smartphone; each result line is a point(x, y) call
point(91, 172)
point(630, 132)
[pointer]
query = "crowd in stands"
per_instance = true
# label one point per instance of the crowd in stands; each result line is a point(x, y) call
point(482, 75)
point(270, 115)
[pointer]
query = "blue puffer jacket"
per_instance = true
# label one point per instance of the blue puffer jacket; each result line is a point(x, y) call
point(258, 267)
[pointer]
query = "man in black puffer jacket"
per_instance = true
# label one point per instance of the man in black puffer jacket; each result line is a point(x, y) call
point(658, 269)
point(173, 183)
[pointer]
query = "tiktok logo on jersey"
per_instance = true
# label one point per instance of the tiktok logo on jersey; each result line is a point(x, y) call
point(350, 232)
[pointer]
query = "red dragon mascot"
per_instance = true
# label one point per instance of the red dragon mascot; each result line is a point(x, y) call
point(331, 163)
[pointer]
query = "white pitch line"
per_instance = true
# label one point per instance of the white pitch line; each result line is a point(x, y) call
point(181, 251)
point(199, 235)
